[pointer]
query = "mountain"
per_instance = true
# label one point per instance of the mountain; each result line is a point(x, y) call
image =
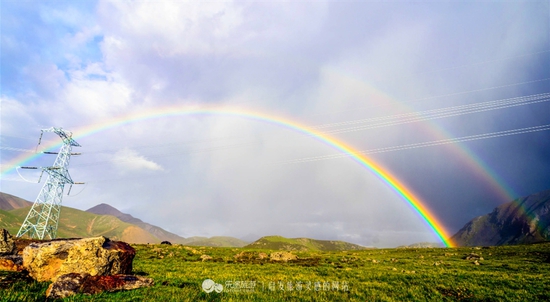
point(103, 220)
point(10, 202)
point(524, 220)
point(161, 234)
point(74, 223)
point(302, 244)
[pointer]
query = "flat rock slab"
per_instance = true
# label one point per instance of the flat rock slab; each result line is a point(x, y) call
point(82, 283)
point(46, 261)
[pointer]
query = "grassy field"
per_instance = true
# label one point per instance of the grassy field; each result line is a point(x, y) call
point(507, 273)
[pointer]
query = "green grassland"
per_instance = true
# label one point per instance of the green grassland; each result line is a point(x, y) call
point(506, 273)
point(302, 244)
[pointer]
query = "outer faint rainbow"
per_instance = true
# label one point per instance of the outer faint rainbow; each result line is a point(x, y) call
point(475, 163)
point(382, 173)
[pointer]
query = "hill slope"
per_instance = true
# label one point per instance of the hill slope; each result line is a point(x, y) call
point(74, 223)
point(217, 241)
point(105, 209)
point(524, 220)
point(10, 202)
point(302, 244)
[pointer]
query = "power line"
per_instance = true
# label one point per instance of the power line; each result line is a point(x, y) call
point(483, 106)
point(424, 144)
point(438, 113)
point(377, 122)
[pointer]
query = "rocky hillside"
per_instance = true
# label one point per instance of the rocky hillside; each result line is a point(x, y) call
point(524, 220)
point(302, 244)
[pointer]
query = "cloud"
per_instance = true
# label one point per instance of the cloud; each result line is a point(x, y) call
point(312, 63)
point(128, 160)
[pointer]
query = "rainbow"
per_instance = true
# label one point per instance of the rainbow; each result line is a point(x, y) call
point(403, 192)
point(460, 150)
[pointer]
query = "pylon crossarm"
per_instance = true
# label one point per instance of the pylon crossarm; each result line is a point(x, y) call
point(64, 177)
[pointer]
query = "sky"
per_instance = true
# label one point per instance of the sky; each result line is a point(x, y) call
point(431, 86)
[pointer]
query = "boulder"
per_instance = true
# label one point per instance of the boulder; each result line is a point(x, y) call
point(9, 260)
point(7, 245)
point(74, 283)
point(282, 256)
point(46, 261)
point(206, 258)
point(11, 263)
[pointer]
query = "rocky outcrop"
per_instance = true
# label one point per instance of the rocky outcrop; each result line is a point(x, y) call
point(74, 283)
point(522, 221)
point(9, 259)
point(7, 245)
point(89, 266)
point(46, 261)
point(11, 263)
point(282, 256)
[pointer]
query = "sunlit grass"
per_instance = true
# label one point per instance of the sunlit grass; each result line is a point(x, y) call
point(509, 273)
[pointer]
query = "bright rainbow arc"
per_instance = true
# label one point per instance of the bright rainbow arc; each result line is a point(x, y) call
point(437, 228)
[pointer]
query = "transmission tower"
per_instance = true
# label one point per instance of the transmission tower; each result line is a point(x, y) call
point(43, 218)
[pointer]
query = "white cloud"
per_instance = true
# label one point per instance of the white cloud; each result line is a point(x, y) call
point(314, 62)
point(129, 160)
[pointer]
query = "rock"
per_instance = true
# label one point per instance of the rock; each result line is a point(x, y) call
point(206, 258)
point(73, 283)
point(7, 245)
point(11, 263)
point(262, 256)
point(282, 256)
point(472, 256)
point(46, 261)
point(9, 260)
point(166, 242)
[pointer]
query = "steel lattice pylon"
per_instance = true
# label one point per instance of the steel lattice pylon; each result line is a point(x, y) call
point(43, 218)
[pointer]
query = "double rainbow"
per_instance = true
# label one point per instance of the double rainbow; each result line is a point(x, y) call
point(383, 174)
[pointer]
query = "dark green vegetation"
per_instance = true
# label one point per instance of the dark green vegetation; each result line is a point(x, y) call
point(302, 244)
point(505, 273)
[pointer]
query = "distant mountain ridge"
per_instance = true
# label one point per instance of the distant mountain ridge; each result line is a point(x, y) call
point(161, 234)
point(9, 202)
point(524, 220)
point(302, 244)
point(103, 220)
